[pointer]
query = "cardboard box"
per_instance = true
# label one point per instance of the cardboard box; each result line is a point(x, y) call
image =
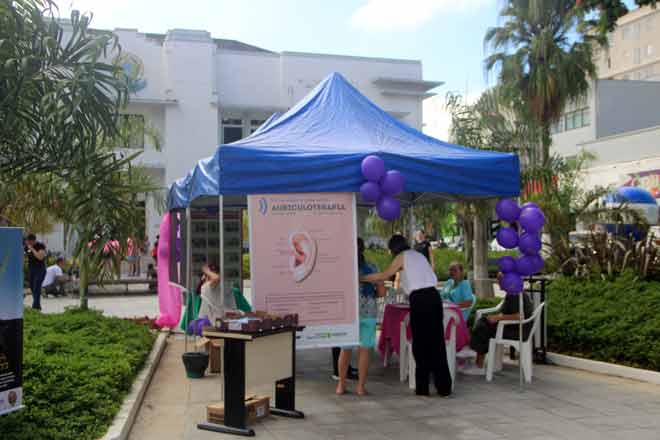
point(214, 349)
point(257, 407)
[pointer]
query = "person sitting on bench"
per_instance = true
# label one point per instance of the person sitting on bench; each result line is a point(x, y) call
point(55, 279)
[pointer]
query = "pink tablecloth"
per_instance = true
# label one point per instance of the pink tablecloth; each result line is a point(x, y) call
point(394, 314)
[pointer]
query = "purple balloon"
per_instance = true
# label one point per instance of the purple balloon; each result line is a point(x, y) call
point(370, 192)
point(393, 183)
point(507, 264)
point(507, 238)
point(512, 283)
point(532, 219)
point(388, 208)
point(529, 244)
point(537, 263)
point(373, 168)
point(525, 266)
point(507, 210)
point(529, 205)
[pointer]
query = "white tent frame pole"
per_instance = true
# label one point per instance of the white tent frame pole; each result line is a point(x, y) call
point(521, 312)
point(221, 232)
point(188, 266)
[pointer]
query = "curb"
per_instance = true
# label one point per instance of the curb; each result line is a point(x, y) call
point(605, 368)
point(123, 421)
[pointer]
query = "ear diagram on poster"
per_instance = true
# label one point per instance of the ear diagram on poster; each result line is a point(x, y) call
point(303, 255)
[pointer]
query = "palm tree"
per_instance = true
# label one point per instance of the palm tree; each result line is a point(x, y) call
point(541, 60)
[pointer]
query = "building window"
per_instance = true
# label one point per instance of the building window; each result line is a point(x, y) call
point(625, 32)
point(637, 55)
point(649, 50)
point(232, 130)
point(255, 123)
point(571, 121)
point(635, 30)
point(649, 23)
point(610, 40)
point(130, 133)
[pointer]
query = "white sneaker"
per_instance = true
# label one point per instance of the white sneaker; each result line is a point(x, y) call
point(474, 371)
point(466, 353)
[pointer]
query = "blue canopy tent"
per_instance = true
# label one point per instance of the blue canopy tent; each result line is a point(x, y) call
point(319, 144)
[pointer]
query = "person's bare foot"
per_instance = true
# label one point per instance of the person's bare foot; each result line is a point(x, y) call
point(361, 392)
point(341, 390)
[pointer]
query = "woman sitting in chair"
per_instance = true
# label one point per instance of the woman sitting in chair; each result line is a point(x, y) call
point(486, 328)
point(458, 290)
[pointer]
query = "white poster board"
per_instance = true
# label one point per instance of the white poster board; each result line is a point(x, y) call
point(303, 259)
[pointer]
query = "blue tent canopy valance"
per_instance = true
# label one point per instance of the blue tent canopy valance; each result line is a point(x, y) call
point(319, 144)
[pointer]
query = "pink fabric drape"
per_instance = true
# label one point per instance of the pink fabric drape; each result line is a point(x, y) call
point(169, 297)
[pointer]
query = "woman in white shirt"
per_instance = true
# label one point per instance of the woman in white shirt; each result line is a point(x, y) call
point(428, 340)
point(214, 305)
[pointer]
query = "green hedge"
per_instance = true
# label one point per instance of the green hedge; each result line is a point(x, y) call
point(78, 366)
point(611, 321)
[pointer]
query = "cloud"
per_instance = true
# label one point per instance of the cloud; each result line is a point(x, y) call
point(104, 8)
point(408, 14)
point(436, 118)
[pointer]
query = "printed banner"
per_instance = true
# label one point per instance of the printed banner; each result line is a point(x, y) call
point(303, 258)
point(11, 319)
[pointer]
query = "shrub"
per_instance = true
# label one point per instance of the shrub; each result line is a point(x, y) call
point(612, 321)
point(78, 366)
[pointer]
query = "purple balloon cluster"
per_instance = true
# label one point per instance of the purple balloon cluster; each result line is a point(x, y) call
point(381, 187)
point(529, 220)
point(195, 327)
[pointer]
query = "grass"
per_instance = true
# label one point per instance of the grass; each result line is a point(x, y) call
point(78, 367)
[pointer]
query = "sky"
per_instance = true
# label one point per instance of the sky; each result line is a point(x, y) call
point(446, 35)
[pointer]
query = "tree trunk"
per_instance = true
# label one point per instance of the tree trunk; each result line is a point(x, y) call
point(483, 286)
point(546, 141)
point(468, 234)
point(83, 287)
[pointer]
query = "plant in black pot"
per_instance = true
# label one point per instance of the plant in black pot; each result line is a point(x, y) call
point(195, 362)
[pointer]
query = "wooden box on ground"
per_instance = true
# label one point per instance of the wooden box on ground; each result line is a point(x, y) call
point(214, 349)
point(257, 407)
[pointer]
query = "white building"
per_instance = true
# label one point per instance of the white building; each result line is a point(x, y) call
point(197, 92)
point(620, 120)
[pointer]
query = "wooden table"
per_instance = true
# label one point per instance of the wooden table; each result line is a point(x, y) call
point(256, 358)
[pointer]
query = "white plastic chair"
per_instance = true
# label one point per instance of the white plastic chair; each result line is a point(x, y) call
point(497, 344)
point(481, 312)
point(407, 360)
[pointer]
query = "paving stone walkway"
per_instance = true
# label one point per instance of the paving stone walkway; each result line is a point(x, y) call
point(560, 404)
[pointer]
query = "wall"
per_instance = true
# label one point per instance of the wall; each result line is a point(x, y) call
point(248, 80)
point(641, 144)
point(192, 125)
point(627, 105)
point(302, 72)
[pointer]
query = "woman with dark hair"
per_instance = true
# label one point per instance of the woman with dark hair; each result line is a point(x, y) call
point(428, 339)
point(368, 312)
point(214, 304)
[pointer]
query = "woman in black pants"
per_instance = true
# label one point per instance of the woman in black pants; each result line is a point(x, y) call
point(426, 321)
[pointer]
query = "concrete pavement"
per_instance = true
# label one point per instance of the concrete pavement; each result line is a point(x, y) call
point(560, 404)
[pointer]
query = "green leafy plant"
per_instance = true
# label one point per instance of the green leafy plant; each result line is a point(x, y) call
point(607, 320)
point(78, 366)
point(603, 256)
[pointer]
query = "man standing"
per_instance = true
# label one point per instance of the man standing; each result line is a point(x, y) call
point(423, 246)
point(55, 279)
point(36, 253)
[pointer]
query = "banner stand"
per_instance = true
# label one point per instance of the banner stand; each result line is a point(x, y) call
point(11, 319)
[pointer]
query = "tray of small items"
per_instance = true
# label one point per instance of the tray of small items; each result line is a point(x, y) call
point(255, 322)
